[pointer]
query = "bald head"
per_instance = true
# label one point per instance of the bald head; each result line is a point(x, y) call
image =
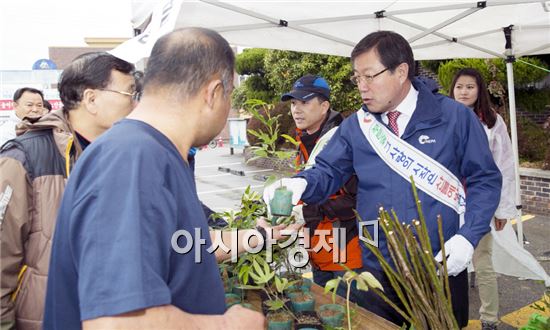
point(185, 60)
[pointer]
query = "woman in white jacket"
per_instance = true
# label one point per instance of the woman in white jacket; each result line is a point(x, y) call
point(469, 89)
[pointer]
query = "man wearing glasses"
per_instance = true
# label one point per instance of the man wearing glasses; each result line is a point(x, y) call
point(96, 89)
point(403, 129)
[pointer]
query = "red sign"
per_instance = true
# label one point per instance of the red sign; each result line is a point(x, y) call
point(7, 105)
point(56, 104)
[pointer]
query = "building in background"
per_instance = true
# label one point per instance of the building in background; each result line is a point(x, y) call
point(45, 73)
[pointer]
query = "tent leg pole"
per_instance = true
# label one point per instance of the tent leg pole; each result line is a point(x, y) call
point(513, 129)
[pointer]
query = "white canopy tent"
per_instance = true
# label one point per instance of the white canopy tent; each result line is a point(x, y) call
point(435, 30)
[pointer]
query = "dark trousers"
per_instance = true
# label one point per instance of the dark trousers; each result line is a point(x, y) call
point(371, 301)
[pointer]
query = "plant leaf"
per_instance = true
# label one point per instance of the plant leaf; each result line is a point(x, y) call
point(249, 287)
point(361, 284)
point(274, 304)
point(270, 180)
point(332, 285)
point(253, 132)
point(283, 154)
point(256, 278)
point(290, 139)
point(260, 153)
point(278, 284)
point(257, 268)
point(371, 280)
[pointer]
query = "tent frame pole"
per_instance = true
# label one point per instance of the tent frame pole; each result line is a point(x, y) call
point(471, 5)
point(444, 36)
point(298, 24)
point(510, 59)
point(271, 22)
point(443, 24)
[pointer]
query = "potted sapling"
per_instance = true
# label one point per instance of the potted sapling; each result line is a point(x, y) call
point(275, 305)
point(268, 135)
point(364, 281)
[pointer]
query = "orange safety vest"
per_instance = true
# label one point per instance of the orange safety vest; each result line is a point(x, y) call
point(323, 259)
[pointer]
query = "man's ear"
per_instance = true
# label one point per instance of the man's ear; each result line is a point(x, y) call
point(212, 88)
point(325, 105)
point(403, 71)
point(89, 100)
point(17, 109)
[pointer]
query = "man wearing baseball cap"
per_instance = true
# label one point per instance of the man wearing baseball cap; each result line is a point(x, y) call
point(315, 124)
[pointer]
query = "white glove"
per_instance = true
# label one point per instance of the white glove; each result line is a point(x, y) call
point(459, 254)
point(298, 213)
point(296, 185)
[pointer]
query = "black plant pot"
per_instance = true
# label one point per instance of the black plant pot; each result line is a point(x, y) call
point(308, 320)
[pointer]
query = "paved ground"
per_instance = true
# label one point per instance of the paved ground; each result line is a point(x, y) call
point(222, 190)
point(516, 296)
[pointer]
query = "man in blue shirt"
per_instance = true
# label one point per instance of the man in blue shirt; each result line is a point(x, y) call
point(116, 259)
point(448, 136)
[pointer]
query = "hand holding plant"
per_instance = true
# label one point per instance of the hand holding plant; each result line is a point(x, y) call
point(281, 231)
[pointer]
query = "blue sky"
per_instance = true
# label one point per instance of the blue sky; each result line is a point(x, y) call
point(29, 27)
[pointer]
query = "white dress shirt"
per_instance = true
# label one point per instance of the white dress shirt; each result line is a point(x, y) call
point(406, 107)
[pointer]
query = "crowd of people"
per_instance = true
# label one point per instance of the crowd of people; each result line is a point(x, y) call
point(94, 250)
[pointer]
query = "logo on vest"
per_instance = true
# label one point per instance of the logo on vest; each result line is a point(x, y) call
point(423, 139)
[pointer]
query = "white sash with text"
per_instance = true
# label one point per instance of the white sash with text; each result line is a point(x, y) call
point(407, 161)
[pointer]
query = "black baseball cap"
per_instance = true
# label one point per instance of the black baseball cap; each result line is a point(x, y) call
point(308, 87)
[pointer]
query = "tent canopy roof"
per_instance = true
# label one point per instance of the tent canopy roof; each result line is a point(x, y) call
point(435, 29)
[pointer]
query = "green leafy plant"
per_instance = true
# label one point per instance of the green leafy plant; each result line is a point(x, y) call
point(432, 65)
point(252, 206)
point(283, 68)
point(286, 124)
point(537, 322)
point(364, 281)
point(533, 100)
point(265, 279)
point(269, 133)
point(250, 63)
point(267, 137)
point(527, 71)
point(533, 141)
point(272, 73)
point(524, 71)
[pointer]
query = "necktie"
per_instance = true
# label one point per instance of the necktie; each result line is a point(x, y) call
point(392, 121)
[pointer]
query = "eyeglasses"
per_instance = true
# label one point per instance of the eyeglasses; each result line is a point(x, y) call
point(134, 95)
point(356, 79)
